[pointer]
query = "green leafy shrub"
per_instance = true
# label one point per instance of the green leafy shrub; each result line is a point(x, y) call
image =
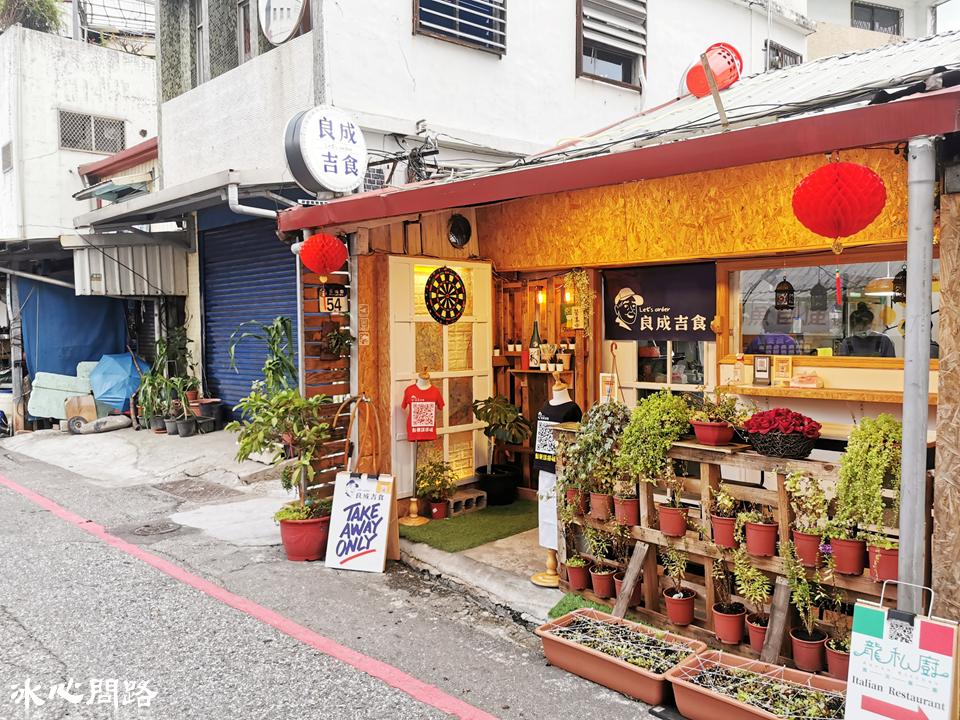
point(310, 511)
point(590, 458)
point(436, 481)
point(504, 422)
point(655, 424)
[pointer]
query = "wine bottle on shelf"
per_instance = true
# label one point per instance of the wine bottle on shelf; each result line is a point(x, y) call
point(535, 343)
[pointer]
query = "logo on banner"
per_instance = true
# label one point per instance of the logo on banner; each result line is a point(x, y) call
point(627, 306)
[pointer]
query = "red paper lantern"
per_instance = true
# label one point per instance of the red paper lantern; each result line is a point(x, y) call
point(840, 199)
point(323, 254)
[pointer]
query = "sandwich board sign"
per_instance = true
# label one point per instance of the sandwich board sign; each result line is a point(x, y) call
point(361, 520)
point(902, 666)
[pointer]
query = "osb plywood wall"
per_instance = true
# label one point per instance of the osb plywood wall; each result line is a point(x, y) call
point(736, 211)
point(946, 489)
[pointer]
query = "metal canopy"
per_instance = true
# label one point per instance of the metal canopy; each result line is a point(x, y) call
point(117, 188)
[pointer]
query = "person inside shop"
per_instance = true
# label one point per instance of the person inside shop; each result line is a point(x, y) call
point(864, 340)
point(770, 342)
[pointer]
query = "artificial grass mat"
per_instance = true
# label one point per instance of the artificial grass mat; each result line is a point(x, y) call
point(572, 601)
point(494, 522)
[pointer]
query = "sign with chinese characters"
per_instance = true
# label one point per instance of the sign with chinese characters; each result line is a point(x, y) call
point(360, 522)
point(333, 299)
point(325, 150)
point(280, 19)
point(902, 667)
point(660, 302)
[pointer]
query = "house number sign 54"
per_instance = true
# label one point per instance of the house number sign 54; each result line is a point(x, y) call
point(334, 300)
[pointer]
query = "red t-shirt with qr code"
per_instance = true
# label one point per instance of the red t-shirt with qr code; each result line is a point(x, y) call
point(423, 404)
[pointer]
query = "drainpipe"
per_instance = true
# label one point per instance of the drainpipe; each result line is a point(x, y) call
point(233, 200)
point(41, 278)
point(301, 347)
point(921, 174)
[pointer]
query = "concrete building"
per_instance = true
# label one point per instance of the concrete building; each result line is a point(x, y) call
point(849, 25)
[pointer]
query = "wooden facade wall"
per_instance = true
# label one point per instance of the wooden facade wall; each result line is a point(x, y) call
point(720, 213)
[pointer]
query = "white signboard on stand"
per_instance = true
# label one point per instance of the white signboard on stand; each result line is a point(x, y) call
point(360, 522)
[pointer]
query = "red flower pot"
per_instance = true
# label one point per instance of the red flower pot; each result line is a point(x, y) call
point(851, 556)
point(680, 610)
point(627, 511)
point(192, 395)
point(728, 628)
point(578, 500)
point(761, 539)
point(603, 585)
point(438, 511)
point(886, 567)
point(712, 433)
point(578, 577)
point(601, 506)
point(808, 654)
point(723, 531)
point(808, 549)
point(637, 596)
point(673, 521)
point(305, 539)
point(758, 634)
point(838, 663)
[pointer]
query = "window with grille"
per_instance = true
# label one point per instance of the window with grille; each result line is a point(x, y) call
point(86, 132)
point(878, 18)
point(246, 30)
point(780, 57)
point(6, 156)
point(613, 39)
point(478, 23)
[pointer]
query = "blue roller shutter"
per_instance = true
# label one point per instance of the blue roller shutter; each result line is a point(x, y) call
point(247, 274)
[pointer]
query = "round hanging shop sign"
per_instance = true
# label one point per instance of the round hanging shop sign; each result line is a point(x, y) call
point(280, 19)
point(325, 150)
point(445, 295)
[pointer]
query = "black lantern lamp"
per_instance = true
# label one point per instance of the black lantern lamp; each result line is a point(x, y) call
point(818, 298)
point(784, 295)
point(900, 286)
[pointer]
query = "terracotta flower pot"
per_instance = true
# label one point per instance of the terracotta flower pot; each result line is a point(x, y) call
point(627, 510)
point(192, 395)
point(673, 521)
point(578, 577)
point(305, 539)
point(851, 556)
point(603, 585)
point(712, 433)
point(808, 654)
point(886, 567)
point(728, 628)
point(838, 663)
point(758, 633)
point(438, 510)
point(578, 500)
point(637, 596)
point(680, 610)
point(808, 549)
point(601, 506)
point(761, 539)
point(723, 531)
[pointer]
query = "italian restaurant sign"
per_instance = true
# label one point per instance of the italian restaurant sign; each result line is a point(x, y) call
point(660, 302)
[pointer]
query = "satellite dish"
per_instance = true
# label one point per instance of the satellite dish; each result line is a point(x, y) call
point(727, 66)
point(280, 19)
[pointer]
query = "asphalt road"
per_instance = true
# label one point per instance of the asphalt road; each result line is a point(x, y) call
point(80, 618)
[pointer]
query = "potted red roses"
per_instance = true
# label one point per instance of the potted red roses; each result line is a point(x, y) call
point(782, 433)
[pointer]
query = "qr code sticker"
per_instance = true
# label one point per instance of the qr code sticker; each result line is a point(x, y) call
point(546, 444)
point(899, 631)
point(422, 414)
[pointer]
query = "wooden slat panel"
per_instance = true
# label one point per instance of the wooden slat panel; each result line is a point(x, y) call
point(396, 232)
point(312, 321)
point(310, 278)
point(310, 293)
point(314, 363)
point(328, 390)
point(380, 238)
point(326, 377)
point(311, 306)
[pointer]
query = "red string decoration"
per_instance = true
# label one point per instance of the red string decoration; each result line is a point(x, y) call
point(323, 254)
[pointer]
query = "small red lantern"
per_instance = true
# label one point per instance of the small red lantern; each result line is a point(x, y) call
point(323, 254)
point(840, 199)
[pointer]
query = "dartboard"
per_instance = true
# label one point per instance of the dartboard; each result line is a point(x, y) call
point(445, 295)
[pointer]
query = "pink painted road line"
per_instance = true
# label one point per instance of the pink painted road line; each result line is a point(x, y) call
point(426, 694)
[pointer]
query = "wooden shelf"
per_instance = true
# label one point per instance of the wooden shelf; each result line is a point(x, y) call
point(870, 396)
point(540, 372)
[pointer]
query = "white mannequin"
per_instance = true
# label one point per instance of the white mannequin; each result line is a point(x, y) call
point(560, 394)
point(423, 379)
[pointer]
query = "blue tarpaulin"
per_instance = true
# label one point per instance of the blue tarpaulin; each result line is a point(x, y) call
point(115, 378)
point(61, 329)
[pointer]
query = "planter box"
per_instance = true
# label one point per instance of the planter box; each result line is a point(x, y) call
point(605, 669)
point(700, 703)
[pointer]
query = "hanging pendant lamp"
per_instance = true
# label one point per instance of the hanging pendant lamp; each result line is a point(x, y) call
point(784, 295)
point(818, 298)
point(900, 286)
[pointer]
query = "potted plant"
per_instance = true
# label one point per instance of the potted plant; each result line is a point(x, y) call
point(870, 463)
point(436, 481)
point(339, 341)
point(304, 529)
point(570, 484)
point(754, 588)
point(150, 398)
point(506, 424)
point(626, 504)
point(782, 433)
point(723, 512)
point(760, 530)
point(715, 419)
point(679, 600)
point(808, 641)
point(590, 460)
point(728, 614)
point(578, 573)
point(673, 514)
point(186, 425)
point(601, 574)
point(810, 506)
point(191, 388)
